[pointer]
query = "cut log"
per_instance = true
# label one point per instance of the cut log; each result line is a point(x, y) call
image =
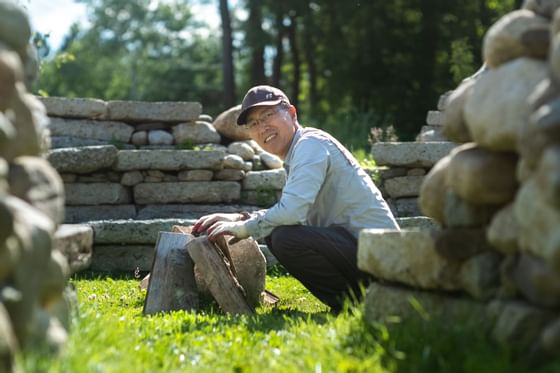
point(218, 276)
point(221, 243)
point(172, 285)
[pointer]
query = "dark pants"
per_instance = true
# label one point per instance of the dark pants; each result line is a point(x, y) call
point(322, 259)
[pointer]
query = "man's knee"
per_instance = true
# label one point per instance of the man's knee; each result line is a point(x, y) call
point(281, 241)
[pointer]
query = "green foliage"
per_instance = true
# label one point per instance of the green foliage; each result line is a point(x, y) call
point(366, 161)
point(364, 158)
point(117, 143)
point(110, 335)
point(265, 197)
point(462, 59)
point(186, 145)
point(135, 50)
point(350, 127)
point(350, 66)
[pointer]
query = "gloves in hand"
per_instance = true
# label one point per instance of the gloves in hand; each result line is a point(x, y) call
point(220, 228)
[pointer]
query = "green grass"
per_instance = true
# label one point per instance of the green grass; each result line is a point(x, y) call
point(299, 335)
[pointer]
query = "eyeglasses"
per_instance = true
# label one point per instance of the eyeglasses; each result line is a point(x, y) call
point(264, 118)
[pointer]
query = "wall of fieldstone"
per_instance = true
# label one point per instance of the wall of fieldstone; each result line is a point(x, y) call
point(401, 169)
point(34, 306)
point(496, 197)
point(145, 160)
point(402, 166)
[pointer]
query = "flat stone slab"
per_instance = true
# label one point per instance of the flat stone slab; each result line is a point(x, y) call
point(75, 242)
point(434, 118)
point(82, 214)
point(91, 129)
point(58, 142)
point(407, 207)
point(407, 257)
point(410, 154)
point(189, 211)
point(170, 160)
point(384, 301)
point(133, 232)
point(122, 258)
point(187, 192)
point(74, 107)
point(139, 111)
point(83, 160)
point(403, 186)
point(431, 133)
point(418, 222)
point(97, 194)
point(268, 179)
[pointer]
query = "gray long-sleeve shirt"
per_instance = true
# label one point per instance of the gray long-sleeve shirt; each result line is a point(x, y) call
point(325, 187)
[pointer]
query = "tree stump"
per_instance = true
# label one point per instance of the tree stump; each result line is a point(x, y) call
point(172, 285)
point(218, 275)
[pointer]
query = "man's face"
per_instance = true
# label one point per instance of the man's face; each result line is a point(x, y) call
point(273, 128)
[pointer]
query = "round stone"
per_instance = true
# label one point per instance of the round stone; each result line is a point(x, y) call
point(15, 29)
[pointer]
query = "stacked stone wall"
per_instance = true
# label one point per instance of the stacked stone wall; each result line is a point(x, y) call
point(144, 160)
point(402, 166)
point(34, 304)
point(401, 169)
point(496, 257)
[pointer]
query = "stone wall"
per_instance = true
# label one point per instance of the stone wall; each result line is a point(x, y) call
point(496, 257)
point(144, 160)
point(34, 306)
point(402, 167)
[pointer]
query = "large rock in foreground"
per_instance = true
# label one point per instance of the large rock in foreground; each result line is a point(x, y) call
point(406, 257)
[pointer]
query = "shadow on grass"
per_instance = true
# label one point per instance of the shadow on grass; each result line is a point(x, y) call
point(266, 319)
point(114, 275)
point(438, 345)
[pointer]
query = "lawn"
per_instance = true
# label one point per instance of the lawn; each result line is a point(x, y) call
point(298, 335)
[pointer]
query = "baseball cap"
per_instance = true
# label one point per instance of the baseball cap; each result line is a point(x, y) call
point(261, 95)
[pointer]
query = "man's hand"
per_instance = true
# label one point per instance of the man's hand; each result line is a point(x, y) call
point(220, 228)
point(207, 221)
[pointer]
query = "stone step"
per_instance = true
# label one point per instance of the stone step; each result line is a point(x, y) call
point(410, 154)
point(145, 231)
point(132, 111)
point(127, 245)
point(84, 214)
point(132, 232)
point(75, 242)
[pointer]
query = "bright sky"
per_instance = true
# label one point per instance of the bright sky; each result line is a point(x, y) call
point(55, 17)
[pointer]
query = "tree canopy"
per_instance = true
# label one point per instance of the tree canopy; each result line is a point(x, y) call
point(346, 65)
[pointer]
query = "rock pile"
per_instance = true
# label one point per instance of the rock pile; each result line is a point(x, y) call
point(34, 309)
point(497, 256)
point(433, 130)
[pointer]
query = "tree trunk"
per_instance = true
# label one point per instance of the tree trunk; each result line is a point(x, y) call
point(256, 42)
point(296, 60)
point(227, 65)
point(279, 58)
point(310, 61)
point(171, 285)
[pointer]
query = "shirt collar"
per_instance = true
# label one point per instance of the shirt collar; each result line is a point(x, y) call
point(295, 139)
